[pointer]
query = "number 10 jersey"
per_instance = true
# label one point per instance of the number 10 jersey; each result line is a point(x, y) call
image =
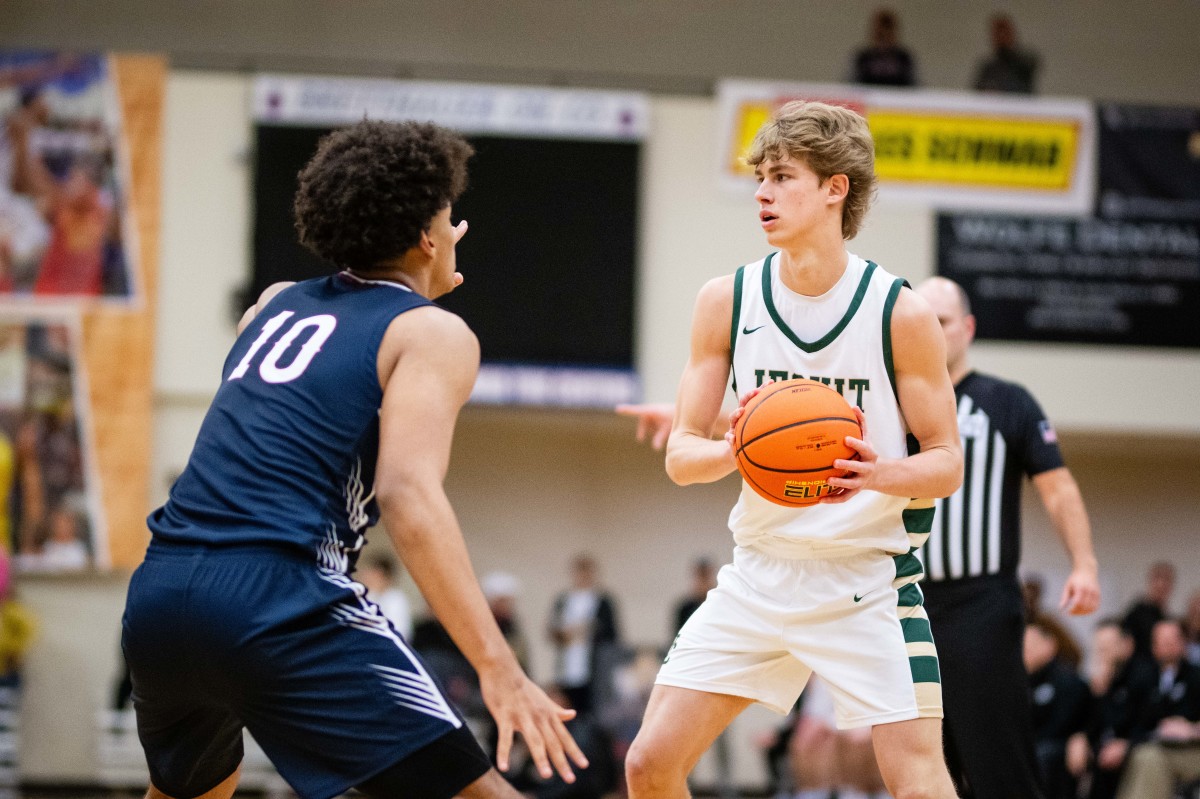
point(286, 454)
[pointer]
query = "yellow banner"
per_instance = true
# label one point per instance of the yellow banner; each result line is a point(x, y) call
point(993, 152)
point(916, 146)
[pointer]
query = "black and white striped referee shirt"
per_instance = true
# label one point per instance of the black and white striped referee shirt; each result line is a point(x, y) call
point(1005, 437)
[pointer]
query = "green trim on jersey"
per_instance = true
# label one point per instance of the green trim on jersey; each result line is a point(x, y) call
point(733, 324)
point(888, 305)
point(828, 338)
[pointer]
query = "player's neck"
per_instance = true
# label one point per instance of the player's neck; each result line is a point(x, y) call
point(393, 272)
point(812, 268)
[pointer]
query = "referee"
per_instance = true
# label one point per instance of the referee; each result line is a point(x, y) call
point(971, 590)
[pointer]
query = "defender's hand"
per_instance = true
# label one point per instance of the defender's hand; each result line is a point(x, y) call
point(518, 705)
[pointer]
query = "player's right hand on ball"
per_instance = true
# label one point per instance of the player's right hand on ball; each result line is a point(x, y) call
point(518, 705)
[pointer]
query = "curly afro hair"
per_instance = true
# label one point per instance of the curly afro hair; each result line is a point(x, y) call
point(371, 188)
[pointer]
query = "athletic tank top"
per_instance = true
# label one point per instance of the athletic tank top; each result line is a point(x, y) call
point(843, 339)
point(286, 454)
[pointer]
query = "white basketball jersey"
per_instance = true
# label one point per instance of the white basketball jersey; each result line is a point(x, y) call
point(843, 339)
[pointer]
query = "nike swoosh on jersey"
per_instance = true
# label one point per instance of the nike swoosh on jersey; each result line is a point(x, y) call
point(748, 330)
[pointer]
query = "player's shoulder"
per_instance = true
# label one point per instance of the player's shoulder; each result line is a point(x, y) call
point(724, 286)
point(992, 385)
point(430, 330)
point(911, 313)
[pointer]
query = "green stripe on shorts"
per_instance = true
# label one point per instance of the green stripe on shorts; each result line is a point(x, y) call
point(909, 596)
point(924, 669)
point(916, 630)
point(917, 520)
point(908, 565)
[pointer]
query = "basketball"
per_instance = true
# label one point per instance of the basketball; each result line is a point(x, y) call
point(789, 437)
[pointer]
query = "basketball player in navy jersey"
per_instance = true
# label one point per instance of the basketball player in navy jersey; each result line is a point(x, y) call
point(337, 405)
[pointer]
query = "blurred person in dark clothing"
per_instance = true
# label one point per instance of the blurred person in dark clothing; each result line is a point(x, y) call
point(1165, 742)
point(583, 627)
point(1009, 68)
point(1061, 705)
point(1191, 626)
point(1151, 607)
point(704, 579)
point(1122, 685)
point(885, 62)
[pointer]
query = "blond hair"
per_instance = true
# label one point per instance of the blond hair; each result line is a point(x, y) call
point(830, 140)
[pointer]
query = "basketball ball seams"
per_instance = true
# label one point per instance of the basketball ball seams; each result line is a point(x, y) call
point(807, 432)
point(766, 433)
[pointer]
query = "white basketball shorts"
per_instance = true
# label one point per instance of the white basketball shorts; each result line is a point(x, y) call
point(856, 621)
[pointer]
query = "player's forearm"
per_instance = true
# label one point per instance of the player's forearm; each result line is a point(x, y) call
point(427, 537)
point(932, 473)
point(694, 459)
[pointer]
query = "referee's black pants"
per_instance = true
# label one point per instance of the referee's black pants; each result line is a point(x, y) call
point(979, 627)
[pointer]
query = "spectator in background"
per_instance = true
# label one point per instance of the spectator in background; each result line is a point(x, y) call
point(65, 549)
point(1165, 746)
point(1191, 626)
point(703, 580)
point(1009, 68)
point(1121, 685)
point(501, 589)
point(583, 627)
point(1151, 608)
point(884, 62)
point(1061, 705)
point(378, 575)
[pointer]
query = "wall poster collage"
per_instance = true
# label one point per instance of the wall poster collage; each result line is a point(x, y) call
point(65, 246)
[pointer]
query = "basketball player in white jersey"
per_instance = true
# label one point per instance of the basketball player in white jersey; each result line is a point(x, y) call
point(831, 588)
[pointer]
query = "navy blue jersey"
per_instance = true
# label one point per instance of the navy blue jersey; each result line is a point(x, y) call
point(286, 454)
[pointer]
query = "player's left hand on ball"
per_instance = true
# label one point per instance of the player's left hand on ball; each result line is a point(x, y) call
point(860, 470)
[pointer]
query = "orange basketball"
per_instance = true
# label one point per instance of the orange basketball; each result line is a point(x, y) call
point(789, 437)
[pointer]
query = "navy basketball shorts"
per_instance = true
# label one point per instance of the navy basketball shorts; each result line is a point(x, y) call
point(218, 639)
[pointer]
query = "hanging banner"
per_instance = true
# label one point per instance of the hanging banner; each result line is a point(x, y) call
point(568, 155)
point(941, 149)
point(467, 107)
point(1078, 280)
point(1149, 162)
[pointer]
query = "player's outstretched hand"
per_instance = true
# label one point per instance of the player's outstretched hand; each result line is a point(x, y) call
point(1081, 594)
point(861, 469)
point(518, 705)
point(654, 421)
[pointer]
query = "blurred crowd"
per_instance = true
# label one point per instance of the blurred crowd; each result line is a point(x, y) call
point(1111, 716)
